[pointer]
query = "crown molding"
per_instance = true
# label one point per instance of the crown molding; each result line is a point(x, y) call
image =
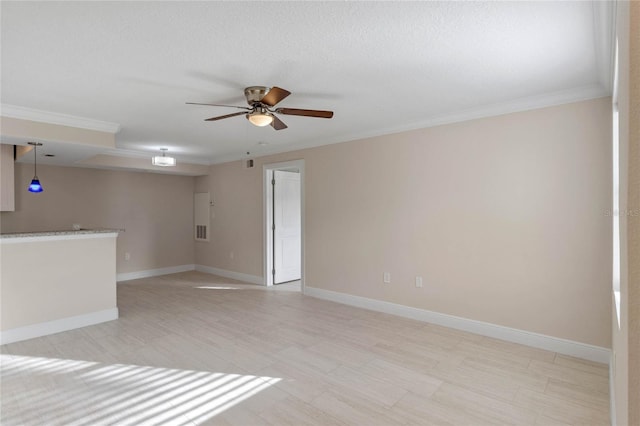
point(24, 113)
point(529, 103)
point(578, 94)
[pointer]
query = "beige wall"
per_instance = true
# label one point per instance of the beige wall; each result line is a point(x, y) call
point(6, 178)
point(156, 210)
point(73, 277)
point(236, 224)
point(504, 217)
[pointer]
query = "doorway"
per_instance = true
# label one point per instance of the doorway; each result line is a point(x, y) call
point(284, 223)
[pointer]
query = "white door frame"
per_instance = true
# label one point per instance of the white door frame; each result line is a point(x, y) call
point(268, 216)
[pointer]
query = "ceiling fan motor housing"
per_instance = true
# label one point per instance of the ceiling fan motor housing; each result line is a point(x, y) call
point(254, 94)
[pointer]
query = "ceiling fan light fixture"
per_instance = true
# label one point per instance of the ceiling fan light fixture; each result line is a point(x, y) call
point(163, 160)
point(260, 118)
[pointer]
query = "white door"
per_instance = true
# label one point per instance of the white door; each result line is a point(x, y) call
point(286, 233)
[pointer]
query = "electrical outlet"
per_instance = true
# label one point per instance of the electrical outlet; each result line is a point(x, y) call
point(386, 277)
point(419, 282)
point(127, 256)
point(231, 255)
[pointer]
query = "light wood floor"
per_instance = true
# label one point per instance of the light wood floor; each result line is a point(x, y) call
point(193, 348)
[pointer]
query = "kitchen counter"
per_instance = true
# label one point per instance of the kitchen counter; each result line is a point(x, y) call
point(62, 233)
point(56, 281)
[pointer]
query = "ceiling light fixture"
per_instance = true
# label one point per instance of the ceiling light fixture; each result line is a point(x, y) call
point(35, 182)
point(163, 160)
point(260, 117)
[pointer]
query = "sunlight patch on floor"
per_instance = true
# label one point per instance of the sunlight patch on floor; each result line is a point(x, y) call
point(64, 391)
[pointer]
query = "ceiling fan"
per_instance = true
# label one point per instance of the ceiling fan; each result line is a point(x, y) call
point(261, 113)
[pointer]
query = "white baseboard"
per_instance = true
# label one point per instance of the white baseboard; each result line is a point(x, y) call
point(57, 326)
point(541, 341)
point(253, 279)
point(154, 272)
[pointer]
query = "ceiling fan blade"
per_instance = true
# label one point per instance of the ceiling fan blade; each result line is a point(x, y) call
point(225, 116)
point(220, 105)
point(305, 112)
point(278, 124)
point(274, 96)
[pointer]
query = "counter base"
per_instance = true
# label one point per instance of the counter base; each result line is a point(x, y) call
point(57, 326)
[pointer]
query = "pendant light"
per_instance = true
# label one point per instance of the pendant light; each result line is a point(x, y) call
point(163, 160)
point(35, 182)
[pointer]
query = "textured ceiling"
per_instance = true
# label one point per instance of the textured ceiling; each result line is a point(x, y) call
point(382, 67)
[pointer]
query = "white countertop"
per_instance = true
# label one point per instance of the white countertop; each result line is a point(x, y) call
point(53, 235)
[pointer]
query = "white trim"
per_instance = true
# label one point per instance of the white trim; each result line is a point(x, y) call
point(541, 341)
point(612, 389)
point(57, 326)
point(267, 219)
point(503, 108)
point(24, 113)
point(267, 201)
point(126, 276)
point(56, 237)
point(253, 279)
point(534, 102)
